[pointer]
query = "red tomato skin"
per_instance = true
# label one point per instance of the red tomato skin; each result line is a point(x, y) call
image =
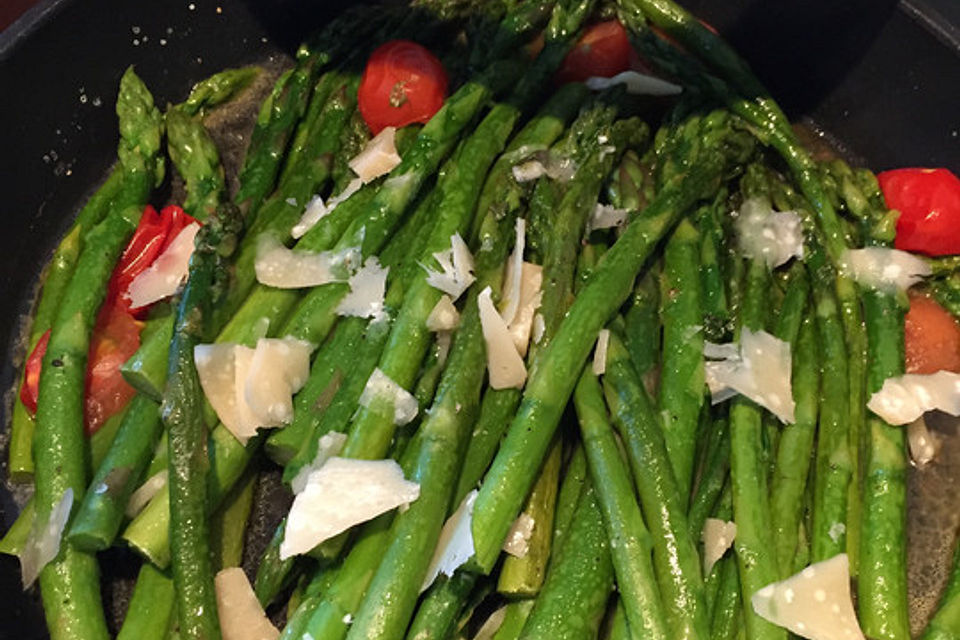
point(402, 83)
point(29, 390)
point(929, 204)
point(116, 337)
point(931, 337)
point(603, 50)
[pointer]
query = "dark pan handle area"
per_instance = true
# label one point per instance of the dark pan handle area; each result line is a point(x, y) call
point(880, 75)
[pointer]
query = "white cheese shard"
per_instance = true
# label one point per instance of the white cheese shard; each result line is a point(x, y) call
point(636, 84)
point(517, 542)
point(923, 443)
point(885, 269)
point(605, 216)
point(216, 368)
point(283, 268)
point(444, 316)
point(317, 209)
point(455, 544)
point(340, 494)
point(759, 370)
point(717, 536)
point(599, 366)
point(504, 364)
point(329, 445)
point(381, 389)
point(510, 300)
point(247, 421)
point(241, 616)
point(520, 328)
point(772, 236)
point(545, 163)
point(814, 603)
point(278, 370)
point(378, 157)
point(488, 630)
point(145, 492)
point(456, 264)
point(162, 278)
point(43, 543)
point(903, 399)
point(539, 327)
point(368, 286)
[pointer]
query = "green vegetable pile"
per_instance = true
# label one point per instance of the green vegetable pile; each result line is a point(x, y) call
point(619, 471)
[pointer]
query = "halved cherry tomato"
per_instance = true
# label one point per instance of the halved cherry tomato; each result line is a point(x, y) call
point(403, 83)
point(116, 336)
point(603, 50)
point(931, 337)
point(30, 388)
point(153, 234)
point(929, 204)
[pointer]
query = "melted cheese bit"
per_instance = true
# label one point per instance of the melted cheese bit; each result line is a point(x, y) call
point(329, 445)
point(283, 268)
point(455, 544)
point(717, 536)
point(504, 364)
point(903, 399)
point(378, 157)
point(814, 603)
point(605, 216)
point(885, 269)
point(368, 286)
point(240, 613)
point(517, 543)
point(43, 543)
point(636, 84)
point(456, 264)
point(340, 494)
point(924, 444)
point(444, 316)
point(599, 366)
point(380, 390)
point(162, 278)
point(772, 236)
point(759, 368)
point(317, 210)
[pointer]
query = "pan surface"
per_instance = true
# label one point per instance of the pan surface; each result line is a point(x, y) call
point(882, 78)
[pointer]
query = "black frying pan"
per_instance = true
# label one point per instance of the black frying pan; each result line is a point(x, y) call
point(881, 77)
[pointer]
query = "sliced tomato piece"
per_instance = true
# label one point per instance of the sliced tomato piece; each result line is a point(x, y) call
point(116, 336)
point(931, 337)
point(29, 390)
point(929, 204)
point(402, 83)
point(603, 50)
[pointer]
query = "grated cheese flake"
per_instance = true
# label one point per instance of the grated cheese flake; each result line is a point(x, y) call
point(145, 492)
point(380, 390)
point(517, 542)
point(885, 269)
point(717, 536)
point(329, 445)
point(378, 157)
point(368, 286)
point(444, 316)
point(162, 278)
point(43, 544)
point(599, 366)
point(317, 209)
point(278, 369)
point(240, 613)
point(504, 364)
point(521, 326)
point(605, 216)
point(924, 444)
point(772, 236)
point(283, 268)
point(903, 399)
point(455, 544)
point(510, 302)
point(456, 264)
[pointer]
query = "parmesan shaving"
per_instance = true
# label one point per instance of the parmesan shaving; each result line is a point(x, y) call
point(924, 444)
point(329, 445)
point(43, 543)
point(240, 613)
point(717, 536)
point(378, 157)
point(761, 371)
point(814, 603)
point(381, 390)
point(340, 494)
point(545, 163)
point(600, 353)
point(162, 278)
point(772, 236)
point(888, 270)
point(530, 297)
point(903, 399)
point(278, 370)
point(539, 327)
point(488, 631)
point(145, 492)
point(605, 216)
point(317, 210)
point(456, 264)
point(368, 287)
point(455, 544)
point(512, 279)
point(278, 266)
point(444, 316)
point(517, 543)
point(504, 364)
point(636, 84)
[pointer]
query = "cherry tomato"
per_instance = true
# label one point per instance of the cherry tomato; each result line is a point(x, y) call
point(931, 337)
point(929, 204)
point(116, 336)
point(603, 50)
point(403, 83)
point(30, 388)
